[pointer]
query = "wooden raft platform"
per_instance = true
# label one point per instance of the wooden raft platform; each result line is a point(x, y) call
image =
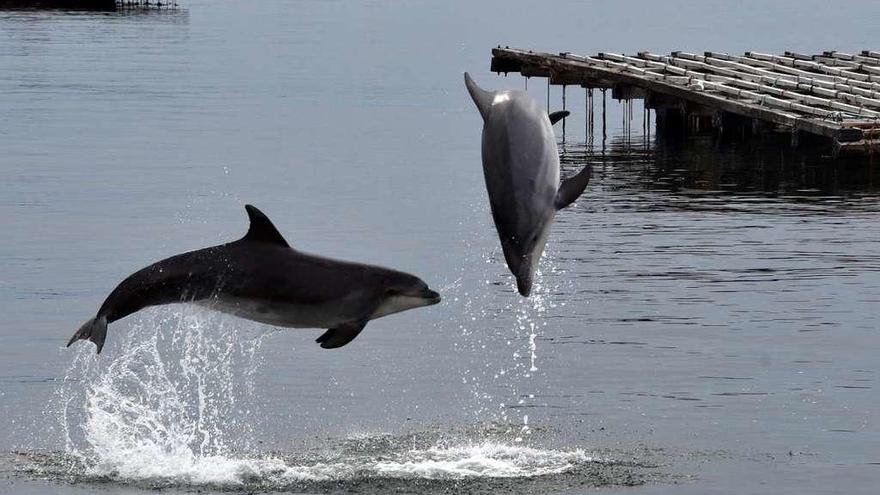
point(98, 5)
point(834, 96)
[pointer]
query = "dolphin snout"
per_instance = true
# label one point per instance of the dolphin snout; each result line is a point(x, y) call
point(431, 296)
point(524, 285)
point(525, 274)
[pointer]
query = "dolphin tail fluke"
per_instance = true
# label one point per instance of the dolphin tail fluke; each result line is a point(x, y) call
point(482, 98)
point(557, 116)
point(94, 330)
point(341, 335)
point(571, 188)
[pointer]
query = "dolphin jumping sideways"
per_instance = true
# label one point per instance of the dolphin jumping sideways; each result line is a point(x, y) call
point(261, 278)
point(521, 167)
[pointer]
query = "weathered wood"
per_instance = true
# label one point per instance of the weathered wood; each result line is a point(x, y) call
point(868, 64)
point(841, 60)
point(99, 5)
point(854, 95)
point(823, 89)
point(724, 60)
point(835, 95)
point(588, 67)
point(847, 73)
point(822, 59)
point(729, 83)
point(857, 148)
point(799, 74)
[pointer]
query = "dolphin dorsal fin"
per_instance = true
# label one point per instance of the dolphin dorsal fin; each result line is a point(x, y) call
point(482, 98)
point(261, 228)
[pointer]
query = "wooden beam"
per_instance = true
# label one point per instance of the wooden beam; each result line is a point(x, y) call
point(772, 77)
point(821, 59)
point(857, 148)
point(847, 73)
point(757, 84)
point(799, 74)
point(848, 57)
point(774, 110)
point(826, 59)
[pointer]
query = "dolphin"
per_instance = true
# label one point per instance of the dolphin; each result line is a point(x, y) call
point(521, 168)
point(261, 278)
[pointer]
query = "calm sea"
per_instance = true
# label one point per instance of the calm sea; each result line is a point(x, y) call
point(706, 317)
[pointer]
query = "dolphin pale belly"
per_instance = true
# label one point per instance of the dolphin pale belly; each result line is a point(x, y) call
point(521, 168)
point(261, 278)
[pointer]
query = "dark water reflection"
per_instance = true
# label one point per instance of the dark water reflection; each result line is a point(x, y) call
point(734, 169)
point(749, 262)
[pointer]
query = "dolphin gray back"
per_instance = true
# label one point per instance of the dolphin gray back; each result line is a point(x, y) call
point(521, 168)
point(191, 276)
point(520, 160)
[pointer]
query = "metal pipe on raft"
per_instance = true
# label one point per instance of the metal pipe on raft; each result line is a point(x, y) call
point(563, 109)
point(548, 94)
point(604, 127)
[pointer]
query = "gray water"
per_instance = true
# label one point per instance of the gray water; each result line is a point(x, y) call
point(705, 317)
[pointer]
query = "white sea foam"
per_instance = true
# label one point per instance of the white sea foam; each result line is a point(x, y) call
point(488, 459)
point(480, 460)
point(170, 398)
point(172, 402)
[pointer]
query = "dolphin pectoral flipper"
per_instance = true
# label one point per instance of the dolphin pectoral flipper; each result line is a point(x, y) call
point(557, 116)
point(340, 335)
point(94, 330)
point(571, 188)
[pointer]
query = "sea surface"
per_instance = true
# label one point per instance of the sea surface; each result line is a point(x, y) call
point(705, 318)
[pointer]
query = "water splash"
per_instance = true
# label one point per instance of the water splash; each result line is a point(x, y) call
point(169, 395)
point(366, 464)
point(531, 323)
point(486, 459)
point(171, 403)
point(502, 331)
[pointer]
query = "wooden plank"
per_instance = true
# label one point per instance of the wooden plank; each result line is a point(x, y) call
point(806, 89)
point(861, 147)
point(770, 67)
point(827, 59)
point(767, 84)
point(638, 62)
point(739, 71)
point(797, 55)
point(733, 81)
point(823, 59)
point(743, 65)
point(800, 74)
point(592, 67)
point(821, 104)
point(848, 57)
point(724, 60)
point(784, 99)
point(816, 65)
